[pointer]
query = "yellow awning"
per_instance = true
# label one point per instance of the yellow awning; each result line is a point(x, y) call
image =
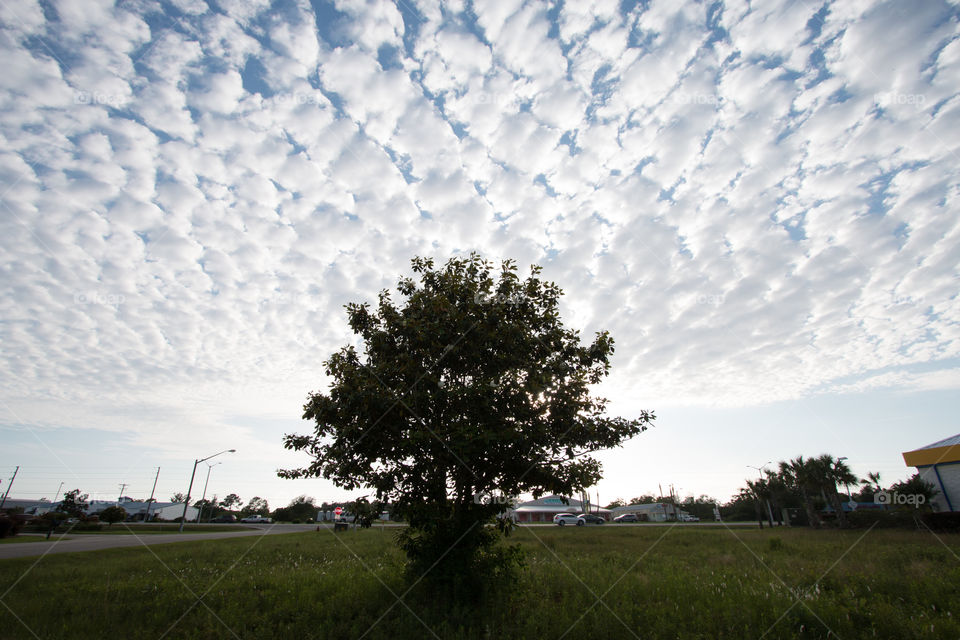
point(936, 455)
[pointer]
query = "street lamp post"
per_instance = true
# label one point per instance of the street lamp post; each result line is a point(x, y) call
point(186, 500)
point(204, 498)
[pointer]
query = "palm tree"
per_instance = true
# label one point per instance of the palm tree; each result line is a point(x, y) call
point(801, 475)
point(833, 472)
point(872, 480)
point(761, 491)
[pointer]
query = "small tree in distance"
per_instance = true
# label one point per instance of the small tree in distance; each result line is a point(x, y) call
point(256, 506)
point(467, 393)
point(113, 514)
point(178, 498)
point(231, 501)
point(74, 503)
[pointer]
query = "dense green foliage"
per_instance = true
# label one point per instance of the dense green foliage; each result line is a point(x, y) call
point(300, 509)
point(257, 506)
point(653, 582)
point(74, 503)
point(468, 392)
point(113, 514)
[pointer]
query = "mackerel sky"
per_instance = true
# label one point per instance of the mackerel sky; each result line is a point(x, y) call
point(759, 202)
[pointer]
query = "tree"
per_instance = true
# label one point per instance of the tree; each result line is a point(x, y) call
point(644, 499)
point(231, 501)
point(178, 498)
point(113, 514)
point(365, 512)
point(300, 508)
point(74, 503)
point(913, 488)
point(616, 503)
point(760, 492)
point(256, 506)
point(470, 387)
point(802, 476)
point(207, 508)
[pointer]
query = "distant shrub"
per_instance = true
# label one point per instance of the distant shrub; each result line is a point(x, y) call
point(892, 519)
point(775, 544)
point(943, 521)
point(10, 525)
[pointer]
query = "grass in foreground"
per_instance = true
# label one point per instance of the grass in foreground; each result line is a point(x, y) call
point(148, 529)
point(597, 581)
point(22, 538)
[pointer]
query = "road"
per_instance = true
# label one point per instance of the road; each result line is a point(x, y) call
point(95, 542)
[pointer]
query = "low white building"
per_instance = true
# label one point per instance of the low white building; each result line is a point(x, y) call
point(652, 512)
point(545, 508)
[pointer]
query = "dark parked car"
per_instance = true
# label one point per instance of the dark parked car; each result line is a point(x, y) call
point(591, 518)
point(225, 518)
point(627, 517)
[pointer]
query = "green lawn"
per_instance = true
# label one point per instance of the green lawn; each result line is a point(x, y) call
point(22, 538)
point(142, 529)
point(648, 582)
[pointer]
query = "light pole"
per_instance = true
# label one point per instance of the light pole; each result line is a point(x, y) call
point(57, 494)
point(186, 500)
point(203, 499)
point(760, 471)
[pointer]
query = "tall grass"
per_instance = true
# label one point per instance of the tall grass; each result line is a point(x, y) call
point(646, 582)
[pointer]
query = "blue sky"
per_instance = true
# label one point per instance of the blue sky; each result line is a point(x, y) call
point(759, 202)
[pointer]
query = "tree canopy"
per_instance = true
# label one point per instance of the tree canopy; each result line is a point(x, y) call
point(468, 391)
point(74, 503)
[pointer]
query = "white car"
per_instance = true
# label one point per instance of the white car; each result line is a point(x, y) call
point(257, 519)
point(566, 518)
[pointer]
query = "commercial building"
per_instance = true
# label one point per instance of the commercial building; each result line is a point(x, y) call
point(653, 512)
point(134, 508)
point(939, 464)
point(545, 508)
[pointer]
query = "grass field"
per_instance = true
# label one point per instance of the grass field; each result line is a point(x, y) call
point(645, 582)
point(21, 538)
point(140, 529)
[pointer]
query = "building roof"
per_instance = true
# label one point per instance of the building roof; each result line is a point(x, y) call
point(646, 507)
point(554, 504)
point(946, 442)
point(942, 451)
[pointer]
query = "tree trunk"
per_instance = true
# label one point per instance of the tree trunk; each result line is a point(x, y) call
point(812, 516)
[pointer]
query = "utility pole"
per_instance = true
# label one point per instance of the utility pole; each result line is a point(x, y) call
point(146, 518)
point(9, 485)
point(122, 487)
